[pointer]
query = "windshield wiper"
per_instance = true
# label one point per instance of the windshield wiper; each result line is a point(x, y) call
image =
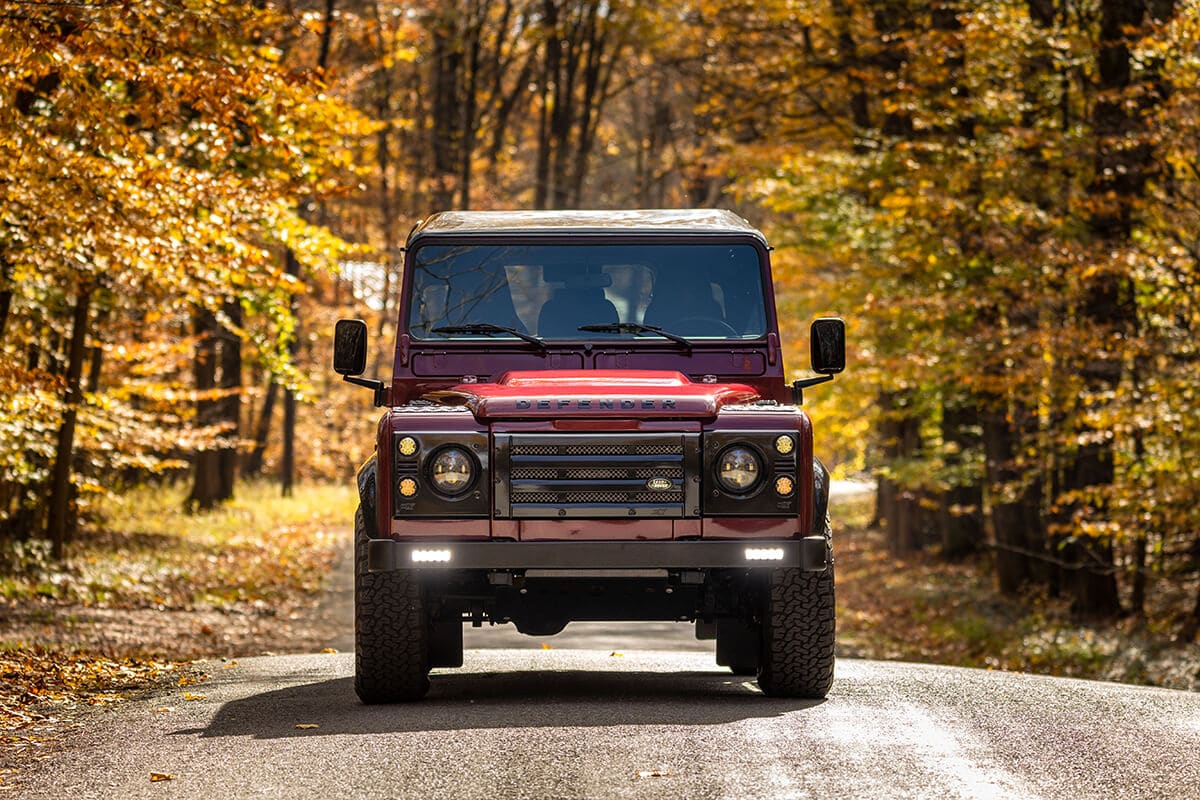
point(635, 327)
point(487, 327)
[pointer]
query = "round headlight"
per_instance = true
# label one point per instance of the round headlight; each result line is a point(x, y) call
point(738, 469)
point(452, 471)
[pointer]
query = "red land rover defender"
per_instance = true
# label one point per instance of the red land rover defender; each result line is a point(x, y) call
point(588, 420)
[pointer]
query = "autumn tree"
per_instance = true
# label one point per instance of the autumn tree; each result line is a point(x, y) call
point(150, 165)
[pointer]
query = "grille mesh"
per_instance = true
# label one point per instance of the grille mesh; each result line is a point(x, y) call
point(595, 473)
point(598, 449)
point(572, 498)
point(634, 458)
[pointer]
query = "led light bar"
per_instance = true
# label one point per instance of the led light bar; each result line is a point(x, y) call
point(430, 556)
point(764, 554)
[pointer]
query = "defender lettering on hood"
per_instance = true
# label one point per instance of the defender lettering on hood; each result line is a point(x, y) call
point(575, 393)
point(601, 405)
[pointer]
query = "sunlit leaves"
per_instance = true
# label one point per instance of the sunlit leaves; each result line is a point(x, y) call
point(159, 153)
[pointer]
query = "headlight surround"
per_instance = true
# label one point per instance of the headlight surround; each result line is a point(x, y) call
point(739, 469)
point(452, 471)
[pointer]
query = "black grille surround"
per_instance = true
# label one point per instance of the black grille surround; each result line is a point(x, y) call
point(601, 475)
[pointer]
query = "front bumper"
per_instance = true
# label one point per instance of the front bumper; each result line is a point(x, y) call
point(811, 554)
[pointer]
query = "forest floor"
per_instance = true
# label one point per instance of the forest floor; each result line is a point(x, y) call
point(155, 596)
point(921, 608)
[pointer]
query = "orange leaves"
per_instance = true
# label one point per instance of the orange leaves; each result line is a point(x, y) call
point(34, 676)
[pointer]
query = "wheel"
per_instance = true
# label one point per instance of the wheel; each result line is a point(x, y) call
point(798, 634)
point(391, 630)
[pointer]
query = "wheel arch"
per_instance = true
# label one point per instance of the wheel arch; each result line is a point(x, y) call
point(368, 496)
point(820, 520)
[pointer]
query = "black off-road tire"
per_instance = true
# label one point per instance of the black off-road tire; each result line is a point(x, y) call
point(798, 634)
point(391, 630)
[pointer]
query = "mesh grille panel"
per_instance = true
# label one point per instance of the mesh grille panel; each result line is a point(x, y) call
point(577, 498)
point(542, 465)
point(595, 473)
point(599, 449)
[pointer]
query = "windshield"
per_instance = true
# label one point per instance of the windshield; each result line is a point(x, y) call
point(697, 291)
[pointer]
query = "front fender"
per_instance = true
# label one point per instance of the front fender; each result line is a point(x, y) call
point(820, 521)
point(367, 484)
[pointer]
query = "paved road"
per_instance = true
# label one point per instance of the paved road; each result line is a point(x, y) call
point(588, 723)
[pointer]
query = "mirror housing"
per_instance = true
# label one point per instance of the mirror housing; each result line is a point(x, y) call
point(350, 347)
point(828, 346)
point(350, 356)
point(827, 350)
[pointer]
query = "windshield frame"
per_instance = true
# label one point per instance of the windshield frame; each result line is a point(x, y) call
point(575, 238)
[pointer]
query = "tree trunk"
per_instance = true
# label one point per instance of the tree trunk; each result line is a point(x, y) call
point(547, 109)
point(287, 462)
point(1191, 625)
point(206, 469)
point(468, 106)
point(326, 35)
point(1137, 594)
point(6, 294)
point(60, 516)
point(961, 507)
point(900, 505)
point(254, 459)
point(1015, 501)
point(1123, 163)
point(446, 56)
point(231, 403)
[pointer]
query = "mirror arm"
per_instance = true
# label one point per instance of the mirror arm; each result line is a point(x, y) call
point(798, 387)
point(379, 387)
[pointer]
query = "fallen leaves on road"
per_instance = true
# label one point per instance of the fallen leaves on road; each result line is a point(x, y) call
point(31, 679)
point(307, 726)
point(653, 773)
point(616, 654)
point(155, 777)
point(189, 696)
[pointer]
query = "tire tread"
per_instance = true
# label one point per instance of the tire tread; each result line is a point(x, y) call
point(799, 630)
point(391, 630)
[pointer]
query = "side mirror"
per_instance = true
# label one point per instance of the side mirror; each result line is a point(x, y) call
point(350, 347)
point(828, 347)
point(828, 353)
point(350, 356)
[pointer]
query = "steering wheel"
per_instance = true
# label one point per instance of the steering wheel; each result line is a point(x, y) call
point(707, 325)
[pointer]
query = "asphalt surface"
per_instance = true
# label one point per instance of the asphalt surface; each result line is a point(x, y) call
point(632, 723)
point(616, 710)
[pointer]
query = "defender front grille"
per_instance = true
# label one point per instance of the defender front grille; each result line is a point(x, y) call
point(598, 475)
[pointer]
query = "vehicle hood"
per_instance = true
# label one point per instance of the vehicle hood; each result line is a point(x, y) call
point(595, 393)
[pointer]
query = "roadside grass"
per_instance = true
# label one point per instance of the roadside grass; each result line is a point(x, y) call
point(920, 608)
point(146, 552)
point(146, 587)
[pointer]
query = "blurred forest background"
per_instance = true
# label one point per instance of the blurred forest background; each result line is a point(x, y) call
point(1001, 197)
